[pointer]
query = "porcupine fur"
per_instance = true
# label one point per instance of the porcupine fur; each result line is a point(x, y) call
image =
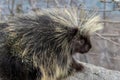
point(40, 46)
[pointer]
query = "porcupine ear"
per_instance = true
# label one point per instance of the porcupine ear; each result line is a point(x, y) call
point(73, 32)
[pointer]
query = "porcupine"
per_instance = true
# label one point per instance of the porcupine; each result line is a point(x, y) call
point(40, 46)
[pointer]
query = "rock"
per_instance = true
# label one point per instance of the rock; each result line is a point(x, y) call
point(92, 72)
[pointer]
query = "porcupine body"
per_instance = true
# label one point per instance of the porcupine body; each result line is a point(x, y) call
point(39, 46)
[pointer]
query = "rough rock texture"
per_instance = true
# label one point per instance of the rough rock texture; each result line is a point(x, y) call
point(92, 72)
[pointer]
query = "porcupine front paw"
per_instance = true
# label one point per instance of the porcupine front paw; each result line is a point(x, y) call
point(78, 67)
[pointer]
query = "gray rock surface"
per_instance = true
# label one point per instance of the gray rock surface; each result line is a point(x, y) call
point(92, 72)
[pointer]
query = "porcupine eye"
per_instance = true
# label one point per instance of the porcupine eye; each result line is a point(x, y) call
point(81, 45)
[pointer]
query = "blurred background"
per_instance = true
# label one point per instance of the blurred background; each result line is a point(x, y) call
point(106, 43)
